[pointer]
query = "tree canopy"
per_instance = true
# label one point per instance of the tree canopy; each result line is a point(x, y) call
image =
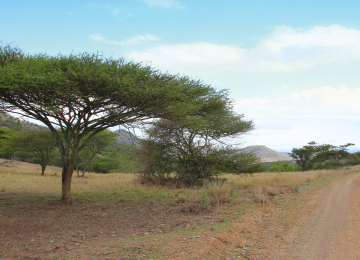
point(84, 93)
point(39, 142)
point(317, 154)
point(94, 146)
point(194, 147)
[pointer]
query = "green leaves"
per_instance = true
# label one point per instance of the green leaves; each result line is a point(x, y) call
point(315, 154)
point(9, 54)
point(192, 145)
point(87, 93)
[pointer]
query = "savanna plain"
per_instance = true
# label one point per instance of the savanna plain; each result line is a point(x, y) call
point(113, 216)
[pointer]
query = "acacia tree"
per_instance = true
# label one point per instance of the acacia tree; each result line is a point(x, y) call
point(94, 146)
point(323, 152)
point(193, 147)
point(78, 96)
point(303, 155)
point(314, 153)
point(340, 152)
point(40, 143)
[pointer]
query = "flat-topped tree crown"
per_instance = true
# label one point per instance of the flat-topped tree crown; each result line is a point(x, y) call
point(87, 93)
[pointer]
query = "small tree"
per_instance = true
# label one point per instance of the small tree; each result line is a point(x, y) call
point(303, 155)
point(79, 96)
point(320, 156)
point(40, 143)
point(93, 147)
point(193, 147)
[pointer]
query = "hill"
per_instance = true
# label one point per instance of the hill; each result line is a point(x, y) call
point(268, 155)
point(18, 124)
point(15, 124)
point(126, 137)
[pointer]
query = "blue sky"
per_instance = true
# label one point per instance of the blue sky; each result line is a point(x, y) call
point(291, 66)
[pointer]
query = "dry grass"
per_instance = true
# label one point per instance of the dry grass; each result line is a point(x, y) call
point(262, 187)
point(209, 195)
point(22, 177)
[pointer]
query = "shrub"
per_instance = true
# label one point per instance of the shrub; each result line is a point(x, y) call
point(317, 166)
point(331, 165)
point(282, 167)
point(352, 162)
point(105, 165)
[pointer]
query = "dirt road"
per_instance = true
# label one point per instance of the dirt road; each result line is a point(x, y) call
point(328, 228)
point(332, 230)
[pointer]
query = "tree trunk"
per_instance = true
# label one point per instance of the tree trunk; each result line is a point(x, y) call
point(77, 170)
point(43, 167)
point(84, 172)
point(68, 170)
point(66, 182)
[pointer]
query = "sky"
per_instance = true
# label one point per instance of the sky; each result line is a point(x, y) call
point(292, 67)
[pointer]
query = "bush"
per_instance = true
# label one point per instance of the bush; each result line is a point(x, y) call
point(317, 166)
point(105, 165)
point(352, 162)
point(282, 167)
point(331, 165)
point(353, 159)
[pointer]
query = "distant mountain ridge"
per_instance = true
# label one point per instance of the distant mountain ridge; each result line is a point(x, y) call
point(126, 137)
point(16, 124)
point(267, 154)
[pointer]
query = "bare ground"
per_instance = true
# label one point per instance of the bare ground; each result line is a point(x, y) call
point(332, 230)
point(312, 224)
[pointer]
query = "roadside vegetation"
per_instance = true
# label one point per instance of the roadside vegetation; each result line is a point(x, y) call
point(116, 216)
point(79, 96)
point(23, 179)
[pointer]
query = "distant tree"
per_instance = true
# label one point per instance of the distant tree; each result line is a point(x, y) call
point(353, 159)
point(340, 152)
point(322, 152)
point(303, 155)
point(125, 153)
point(93, 147)
point(5, 151)
point(193, 147)
point(320, 156)
point(80, 95)
point(40, 143)
point(5, 133)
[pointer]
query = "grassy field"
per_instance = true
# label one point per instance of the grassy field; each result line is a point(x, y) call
point(127, 218)
point(24, 178)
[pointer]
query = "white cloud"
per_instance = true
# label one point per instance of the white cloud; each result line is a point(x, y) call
point(309, 102)
point(285, 49)
point(325, 114)
point(337, 98)
point(302, 49)
point(164, 3)
point(195, 58)
point(132, 41)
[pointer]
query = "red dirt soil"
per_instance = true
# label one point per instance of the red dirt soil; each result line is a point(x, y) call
point(317, 225)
